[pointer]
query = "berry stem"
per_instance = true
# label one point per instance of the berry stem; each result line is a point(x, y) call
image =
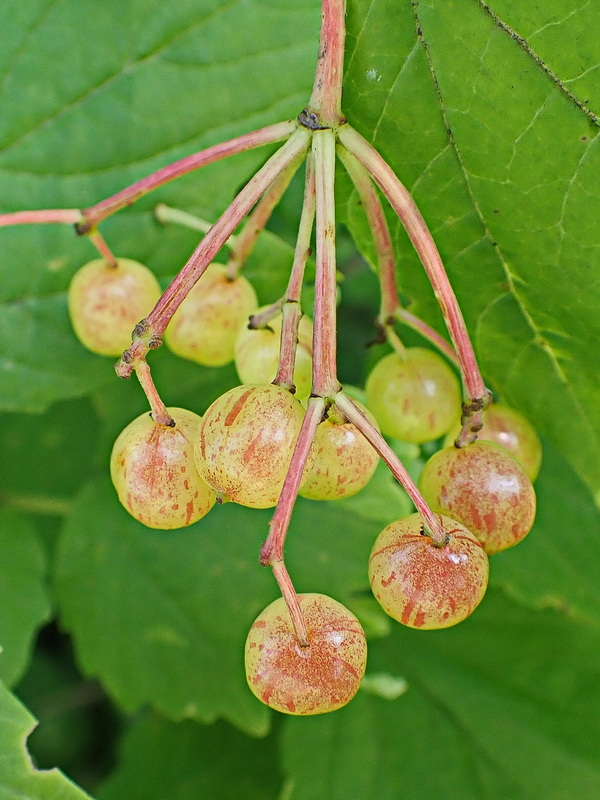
point(272, 549)
point(159, 412)
point(432, 525)
point(292, 310)
point(291, 600)
point(149, 331)
point(126, 197)
point(99, 243)
point(325, 382)
point(64, 216)
point(477, 397)
point(166, 214)
point(255, 224)
point(326, 98)
point(391, 310)
point(417, 324)
point(262, 320)
point(384, 248)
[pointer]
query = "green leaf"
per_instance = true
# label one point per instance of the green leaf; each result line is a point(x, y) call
point(494, 140)
point(133, 79)
point(162, 617)
point(65, 437)
point(23, 594)
point(502, 706)
point(558, 563)
point(161, 759)
point(19, 780)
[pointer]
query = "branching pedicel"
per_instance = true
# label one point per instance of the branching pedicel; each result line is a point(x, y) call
point(317, 136)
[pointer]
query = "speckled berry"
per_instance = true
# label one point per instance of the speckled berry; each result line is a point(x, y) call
point(483, 487)
point(414, 396)
point(306, 680)
point(510, 429)
point(205, 326)
point(245, 443)
point(154, 472)
point(344, 460)
point(257, 354)
point(106, 302)
point(424, 586)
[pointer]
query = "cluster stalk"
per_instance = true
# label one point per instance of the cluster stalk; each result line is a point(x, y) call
point(320, 128)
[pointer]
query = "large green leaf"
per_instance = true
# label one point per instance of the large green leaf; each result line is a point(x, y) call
point(502, 707)
point(161, 617)
point(78, 127)
point(162, 759)
point(23, 594)
point(19, 780)
point(557, 564)
point(493, 137)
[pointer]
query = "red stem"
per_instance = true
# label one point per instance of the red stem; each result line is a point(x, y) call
point(160, 415)
point(292, 311)
point(476, 394)
point(384, 248)
point(291, 600)
point(97, 240)
point(272, 549)
point(326, 98)
point(273, 133)
point(65, 216)
point(149, 331)
point(417, 324)
point(325, 382)
point(254, 225)
point(431, 523)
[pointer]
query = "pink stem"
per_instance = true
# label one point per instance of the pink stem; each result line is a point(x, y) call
point(255, 224)
point(149, 331)
point(65, 216)
point(417, 324)
point(476, 395)
point(325, 382)
point(160, 415)
point(292, 311)
point(431, 523)
point(272, 549)
point(261, 320)
point(384, 248)
point(324, 106)
point(99, 243)
point(291, 600)
point(273, 133)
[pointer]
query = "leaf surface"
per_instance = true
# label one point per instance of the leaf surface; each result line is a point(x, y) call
point(161, 617)
point(19, 780)
point(499, 145)
point(501, 707)
point(163, 759)
point(23, 593)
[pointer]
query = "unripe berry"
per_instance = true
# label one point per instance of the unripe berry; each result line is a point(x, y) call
point(257, 354)
point(424, 586)
point(245, 443)
point(415, 396)
point(510, 429)
point(306, 680)
point(344, 460)
point(153, 470)
point(106, 302)
point(205, 326)
point(483, 487)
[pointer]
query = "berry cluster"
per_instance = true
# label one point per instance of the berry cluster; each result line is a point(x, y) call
point(289, 428)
